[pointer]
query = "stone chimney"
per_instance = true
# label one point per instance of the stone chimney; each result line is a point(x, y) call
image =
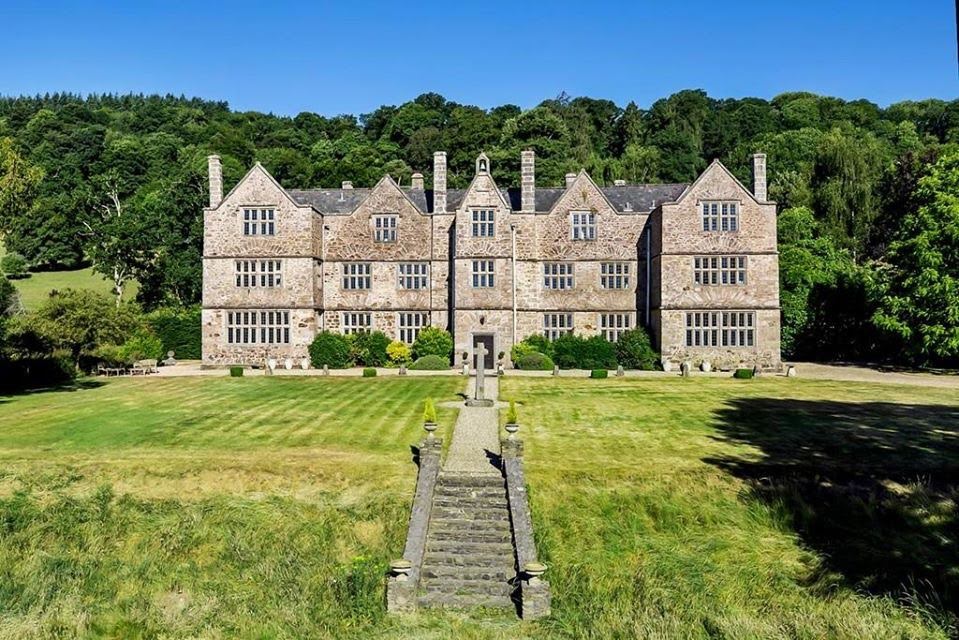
point(759, 176)
point(570, 177)
point(417, 181)
point(216, 180)
point(347, 184)
point(439, 182)
point(619, 183)
point(527, 180)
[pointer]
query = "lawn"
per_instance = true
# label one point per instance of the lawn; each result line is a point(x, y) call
point(269, 508)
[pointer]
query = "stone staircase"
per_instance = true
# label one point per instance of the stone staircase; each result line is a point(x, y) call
point(469, 560)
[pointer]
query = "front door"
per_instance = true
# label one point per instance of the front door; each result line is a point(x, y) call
point(486, 339)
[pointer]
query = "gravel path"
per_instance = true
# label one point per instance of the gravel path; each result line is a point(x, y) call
point(476, 432)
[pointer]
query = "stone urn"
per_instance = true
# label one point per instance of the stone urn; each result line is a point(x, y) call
point(430, 428)
point(304, 363)
point(705, 367)
point(534, 570)
point(271, 364)
point(288, 364)
point(402, 369)
point(511, 429)
point(666, 365)
point(401, 569)
point(790, 371)
point(685, 369)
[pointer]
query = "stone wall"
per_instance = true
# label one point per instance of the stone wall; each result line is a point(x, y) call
point(216, 351)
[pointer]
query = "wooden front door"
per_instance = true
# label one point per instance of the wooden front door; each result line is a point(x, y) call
point(486, 339)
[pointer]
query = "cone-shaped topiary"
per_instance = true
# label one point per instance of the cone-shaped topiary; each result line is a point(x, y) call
point(429, 411)
point(511, 413)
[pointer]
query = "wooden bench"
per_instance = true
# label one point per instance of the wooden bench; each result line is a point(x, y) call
point(143, 367)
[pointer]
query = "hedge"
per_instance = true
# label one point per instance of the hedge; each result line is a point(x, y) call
point(433, 341)
point(431, 363)
point(369, 349)
point(634, 350)
point(330, 349)
point(33, 373)
point(599, 373)
point(743, 374)
point(179, 329)
point(369, 372)
point(571, 351)
point(535, 362)
point(236, 372)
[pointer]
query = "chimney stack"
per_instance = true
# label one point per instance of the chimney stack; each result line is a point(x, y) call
point(216, 181)
point(417, 182)
point(619, 183)
point(759, 176)
point(347, 184)
point(570, 177)
point(439, 182)
point(527, 180)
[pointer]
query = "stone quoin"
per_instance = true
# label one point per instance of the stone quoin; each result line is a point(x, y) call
point(697, 264)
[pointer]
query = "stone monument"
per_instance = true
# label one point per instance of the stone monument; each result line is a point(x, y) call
point(479, 398)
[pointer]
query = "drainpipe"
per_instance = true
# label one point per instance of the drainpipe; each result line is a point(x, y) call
point(512, 231)
point(326, 229)
point(647, 277)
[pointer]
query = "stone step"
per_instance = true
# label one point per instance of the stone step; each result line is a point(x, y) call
point(470, 502)
point(477, 558)
point(472, 526)
point(496, 573)
point(475, 495)
point(479, 512)
point(470, 536)
point(438, 600)
point(477, 480)
point(466, 548)
point(457, 586)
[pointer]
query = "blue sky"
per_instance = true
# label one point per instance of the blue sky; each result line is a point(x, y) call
point(350, 57)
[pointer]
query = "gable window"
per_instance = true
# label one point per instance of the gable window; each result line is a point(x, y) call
point(356, 275)
point(384, 228)
point(258, 273)
point(719, 270)
point(613, 324)
point(410, 325)
point(557, 324)
point(412, 275)
point(720, 216)
point(614, 275)
point(558, 275)
point(483, 223)
point(482, 274)
point(583, 225)
point(720, 329)
point(259, 222)
point(355, 322)
point(258, 327)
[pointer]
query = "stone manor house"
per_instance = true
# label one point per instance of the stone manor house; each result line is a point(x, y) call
point(695, 263)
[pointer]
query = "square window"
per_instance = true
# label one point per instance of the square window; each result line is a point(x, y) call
point(412, 275)
point(483, 223)
point(614, 275)
point(384, 228)
point(356, 275)
point(558, 275)
point(482, 274)
point(582, 225)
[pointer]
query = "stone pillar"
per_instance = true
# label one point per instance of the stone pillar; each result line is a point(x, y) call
point(759, 176)
point(528, 180)
point(439, 182)
point(216, 180)
point(417, 181)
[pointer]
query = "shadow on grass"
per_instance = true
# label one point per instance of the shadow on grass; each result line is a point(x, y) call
point(872, 487)
point(77, 385)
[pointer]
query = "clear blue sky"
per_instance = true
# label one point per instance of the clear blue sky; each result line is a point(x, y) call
point(350, 57)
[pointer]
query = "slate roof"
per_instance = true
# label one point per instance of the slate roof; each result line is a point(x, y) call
point(635, 198)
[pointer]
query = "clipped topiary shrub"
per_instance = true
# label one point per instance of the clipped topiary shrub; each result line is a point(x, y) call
point(433, 341)
point(143, 345)
point(576, 352)
point(399, 353)
point(743, 374)
point(369, 349)
point(14, 266)
point(534, 362)
point(599, 373)
point(634, 350)
point(330, 349)
point(430, 363)
point(179, 329)
point(369, 372)
point(519, 350)
point(236, 372)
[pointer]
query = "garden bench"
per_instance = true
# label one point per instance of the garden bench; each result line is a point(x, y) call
point(143, 367)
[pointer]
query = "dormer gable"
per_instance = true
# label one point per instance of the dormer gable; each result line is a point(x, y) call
point(258, 186)
point(582, 193)
point(717, 174)
point(482, 190)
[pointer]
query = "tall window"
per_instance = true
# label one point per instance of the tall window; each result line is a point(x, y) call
point(259, 222)
point(384, 228)
point(483, 223)
point(355, 322)
point(558, 275)
point(412, 275)
point(720, 329)
point(356, 275)
point(258, 273)
point(614, 275)
point(556, 324)
point(613, 324)
point(719, 270)
point(720, 216)
point(583, 225)
point(482, 274)
point(258, 327)
point(410, 325)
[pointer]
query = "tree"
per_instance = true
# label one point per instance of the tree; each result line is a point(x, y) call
point(115, 237)
point(19, 180)
point(920, 295)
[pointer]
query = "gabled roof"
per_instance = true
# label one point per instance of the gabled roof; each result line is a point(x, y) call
point(259, 168)
point(716, 164)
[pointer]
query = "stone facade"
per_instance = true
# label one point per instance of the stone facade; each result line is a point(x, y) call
point(650, 233)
